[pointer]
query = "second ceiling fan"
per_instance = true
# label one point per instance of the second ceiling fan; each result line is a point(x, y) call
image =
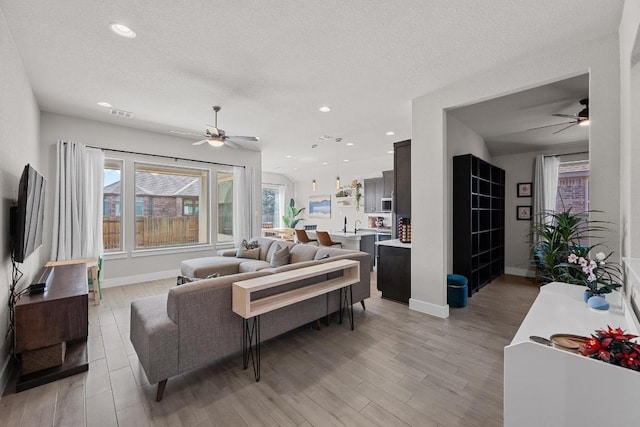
point(581, 118)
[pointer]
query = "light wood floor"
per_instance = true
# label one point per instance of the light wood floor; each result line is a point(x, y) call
point(397, 368)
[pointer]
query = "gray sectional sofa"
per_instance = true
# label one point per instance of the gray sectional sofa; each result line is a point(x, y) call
point(193, 324)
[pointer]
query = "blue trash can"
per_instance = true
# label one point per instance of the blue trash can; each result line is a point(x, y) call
point(457, 290)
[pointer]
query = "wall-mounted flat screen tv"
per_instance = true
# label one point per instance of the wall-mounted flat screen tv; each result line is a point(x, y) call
point(27, 218)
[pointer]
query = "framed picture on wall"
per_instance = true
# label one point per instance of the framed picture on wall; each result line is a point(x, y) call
point(320, 206)
point(524, 189)
point(523, 213)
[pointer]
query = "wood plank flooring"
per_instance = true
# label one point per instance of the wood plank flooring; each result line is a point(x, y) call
point(398, 368)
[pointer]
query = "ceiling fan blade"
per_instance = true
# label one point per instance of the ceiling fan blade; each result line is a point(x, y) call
point(204, 141)
point(548, 126)
point(183, 133)
point(213, 131)
point(244, 138)
point(566, 116)
point(572, 124)
point(232, 144)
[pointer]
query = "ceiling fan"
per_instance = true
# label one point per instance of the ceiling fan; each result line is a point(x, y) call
point(217, 137)
point(581, 118)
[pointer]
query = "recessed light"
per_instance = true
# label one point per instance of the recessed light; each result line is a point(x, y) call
point(295, 169)
point(288, 156)
point(350, 144)
point(390, 152)
point(324, 109)
point(346, 160)
point(390, 133)
point(325, 163)
point(122, 30)
point(105, 104)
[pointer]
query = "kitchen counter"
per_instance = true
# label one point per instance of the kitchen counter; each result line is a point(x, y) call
point(361, 241)
point(350, 234)
point(396, 243)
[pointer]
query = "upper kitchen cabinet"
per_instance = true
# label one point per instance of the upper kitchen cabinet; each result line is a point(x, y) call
point(402, 177)
point(387, 189)
point(373, 189)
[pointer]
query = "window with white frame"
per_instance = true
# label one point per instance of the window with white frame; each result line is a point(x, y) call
point(160, 194)
point(225, 206)
point(272, 205)
point(112, 209)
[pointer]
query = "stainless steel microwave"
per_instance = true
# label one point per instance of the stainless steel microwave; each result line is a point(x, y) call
point(386, 204)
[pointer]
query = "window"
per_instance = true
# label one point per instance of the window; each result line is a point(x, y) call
point(573, 187)
point(190, 207)
point(160, 215)
point(112, 213)
point(272, 205)
point(225, 207)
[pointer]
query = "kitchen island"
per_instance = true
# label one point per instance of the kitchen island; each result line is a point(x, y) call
point(394, 270)
point(362, 240)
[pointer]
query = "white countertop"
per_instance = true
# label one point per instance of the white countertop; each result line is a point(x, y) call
point(396, 243)
point(350, 235)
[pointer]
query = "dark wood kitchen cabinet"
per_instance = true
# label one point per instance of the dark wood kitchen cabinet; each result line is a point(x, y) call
point(402, 178)
point(478, 220)
point(373, 188)
point(387, 188)
point(394, 273)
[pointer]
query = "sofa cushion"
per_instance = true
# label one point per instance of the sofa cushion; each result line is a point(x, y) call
point(243, 252)
point(277, 244)
point(249, 266)
point(301, 253)
point(264, 243)
point(280, 257)
point(203, 267)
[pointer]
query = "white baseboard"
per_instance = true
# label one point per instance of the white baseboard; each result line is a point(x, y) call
point(524, 272)
point(441, 311)
point(137, 278)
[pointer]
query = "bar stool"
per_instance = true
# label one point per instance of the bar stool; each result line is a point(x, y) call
point(302, 237)
point(325, 240)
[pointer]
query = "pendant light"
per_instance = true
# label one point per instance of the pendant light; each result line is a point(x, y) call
point(313, 182)
point(338, 164)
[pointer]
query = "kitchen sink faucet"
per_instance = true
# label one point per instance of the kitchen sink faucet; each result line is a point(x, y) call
point(355, 226)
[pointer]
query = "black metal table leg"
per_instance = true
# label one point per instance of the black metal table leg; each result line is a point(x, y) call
point(251, 345)
point(346, 302)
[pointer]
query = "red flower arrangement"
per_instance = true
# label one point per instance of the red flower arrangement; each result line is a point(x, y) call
point(613, 346)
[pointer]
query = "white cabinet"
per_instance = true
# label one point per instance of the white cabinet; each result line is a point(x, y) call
point(545, 386)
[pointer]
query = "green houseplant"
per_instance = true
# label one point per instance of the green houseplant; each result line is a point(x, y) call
point(290, 213)
point(563, 242)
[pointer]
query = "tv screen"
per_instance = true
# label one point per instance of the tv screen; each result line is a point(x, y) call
point(27, 219)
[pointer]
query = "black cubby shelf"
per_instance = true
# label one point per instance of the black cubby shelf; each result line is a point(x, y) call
point(478, 220)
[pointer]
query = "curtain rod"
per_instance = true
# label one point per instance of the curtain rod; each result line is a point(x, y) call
point(567, 154)
point(165, 157)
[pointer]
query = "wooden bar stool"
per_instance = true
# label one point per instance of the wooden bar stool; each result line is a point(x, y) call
point(325, 240)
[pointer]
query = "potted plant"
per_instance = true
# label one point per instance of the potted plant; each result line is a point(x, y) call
point(291, 212)
point(358, 188)
point(561, 252)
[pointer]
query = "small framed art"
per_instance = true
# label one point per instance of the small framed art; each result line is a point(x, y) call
point(524, 189)
point(523, 213)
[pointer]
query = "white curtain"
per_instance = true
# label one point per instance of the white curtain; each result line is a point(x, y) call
point(77, 213)
point(242, 204)
point(545, 187)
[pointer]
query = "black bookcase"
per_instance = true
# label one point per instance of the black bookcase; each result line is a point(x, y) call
point(478, 220)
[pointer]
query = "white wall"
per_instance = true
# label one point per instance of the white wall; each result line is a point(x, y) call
point(520, 168)
point(131, 267)
point(460, 140)
point(326, 184)
point(630, 134)
point(19, 117)
point(430, 246)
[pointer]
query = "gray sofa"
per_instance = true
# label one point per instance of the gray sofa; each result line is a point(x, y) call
point(193, 324)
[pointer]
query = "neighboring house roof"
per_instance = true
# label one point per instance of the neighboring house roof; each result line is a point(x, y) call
point(151, 184)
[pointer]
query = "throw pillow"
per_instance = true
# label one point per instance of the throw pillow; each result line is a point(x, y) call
point(249, 245)
point(186, 279)
point(280, 257)
point(248, 253)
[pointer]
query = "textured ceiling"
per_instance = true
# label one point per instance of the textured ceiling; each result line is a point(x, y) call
point(272, 63)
